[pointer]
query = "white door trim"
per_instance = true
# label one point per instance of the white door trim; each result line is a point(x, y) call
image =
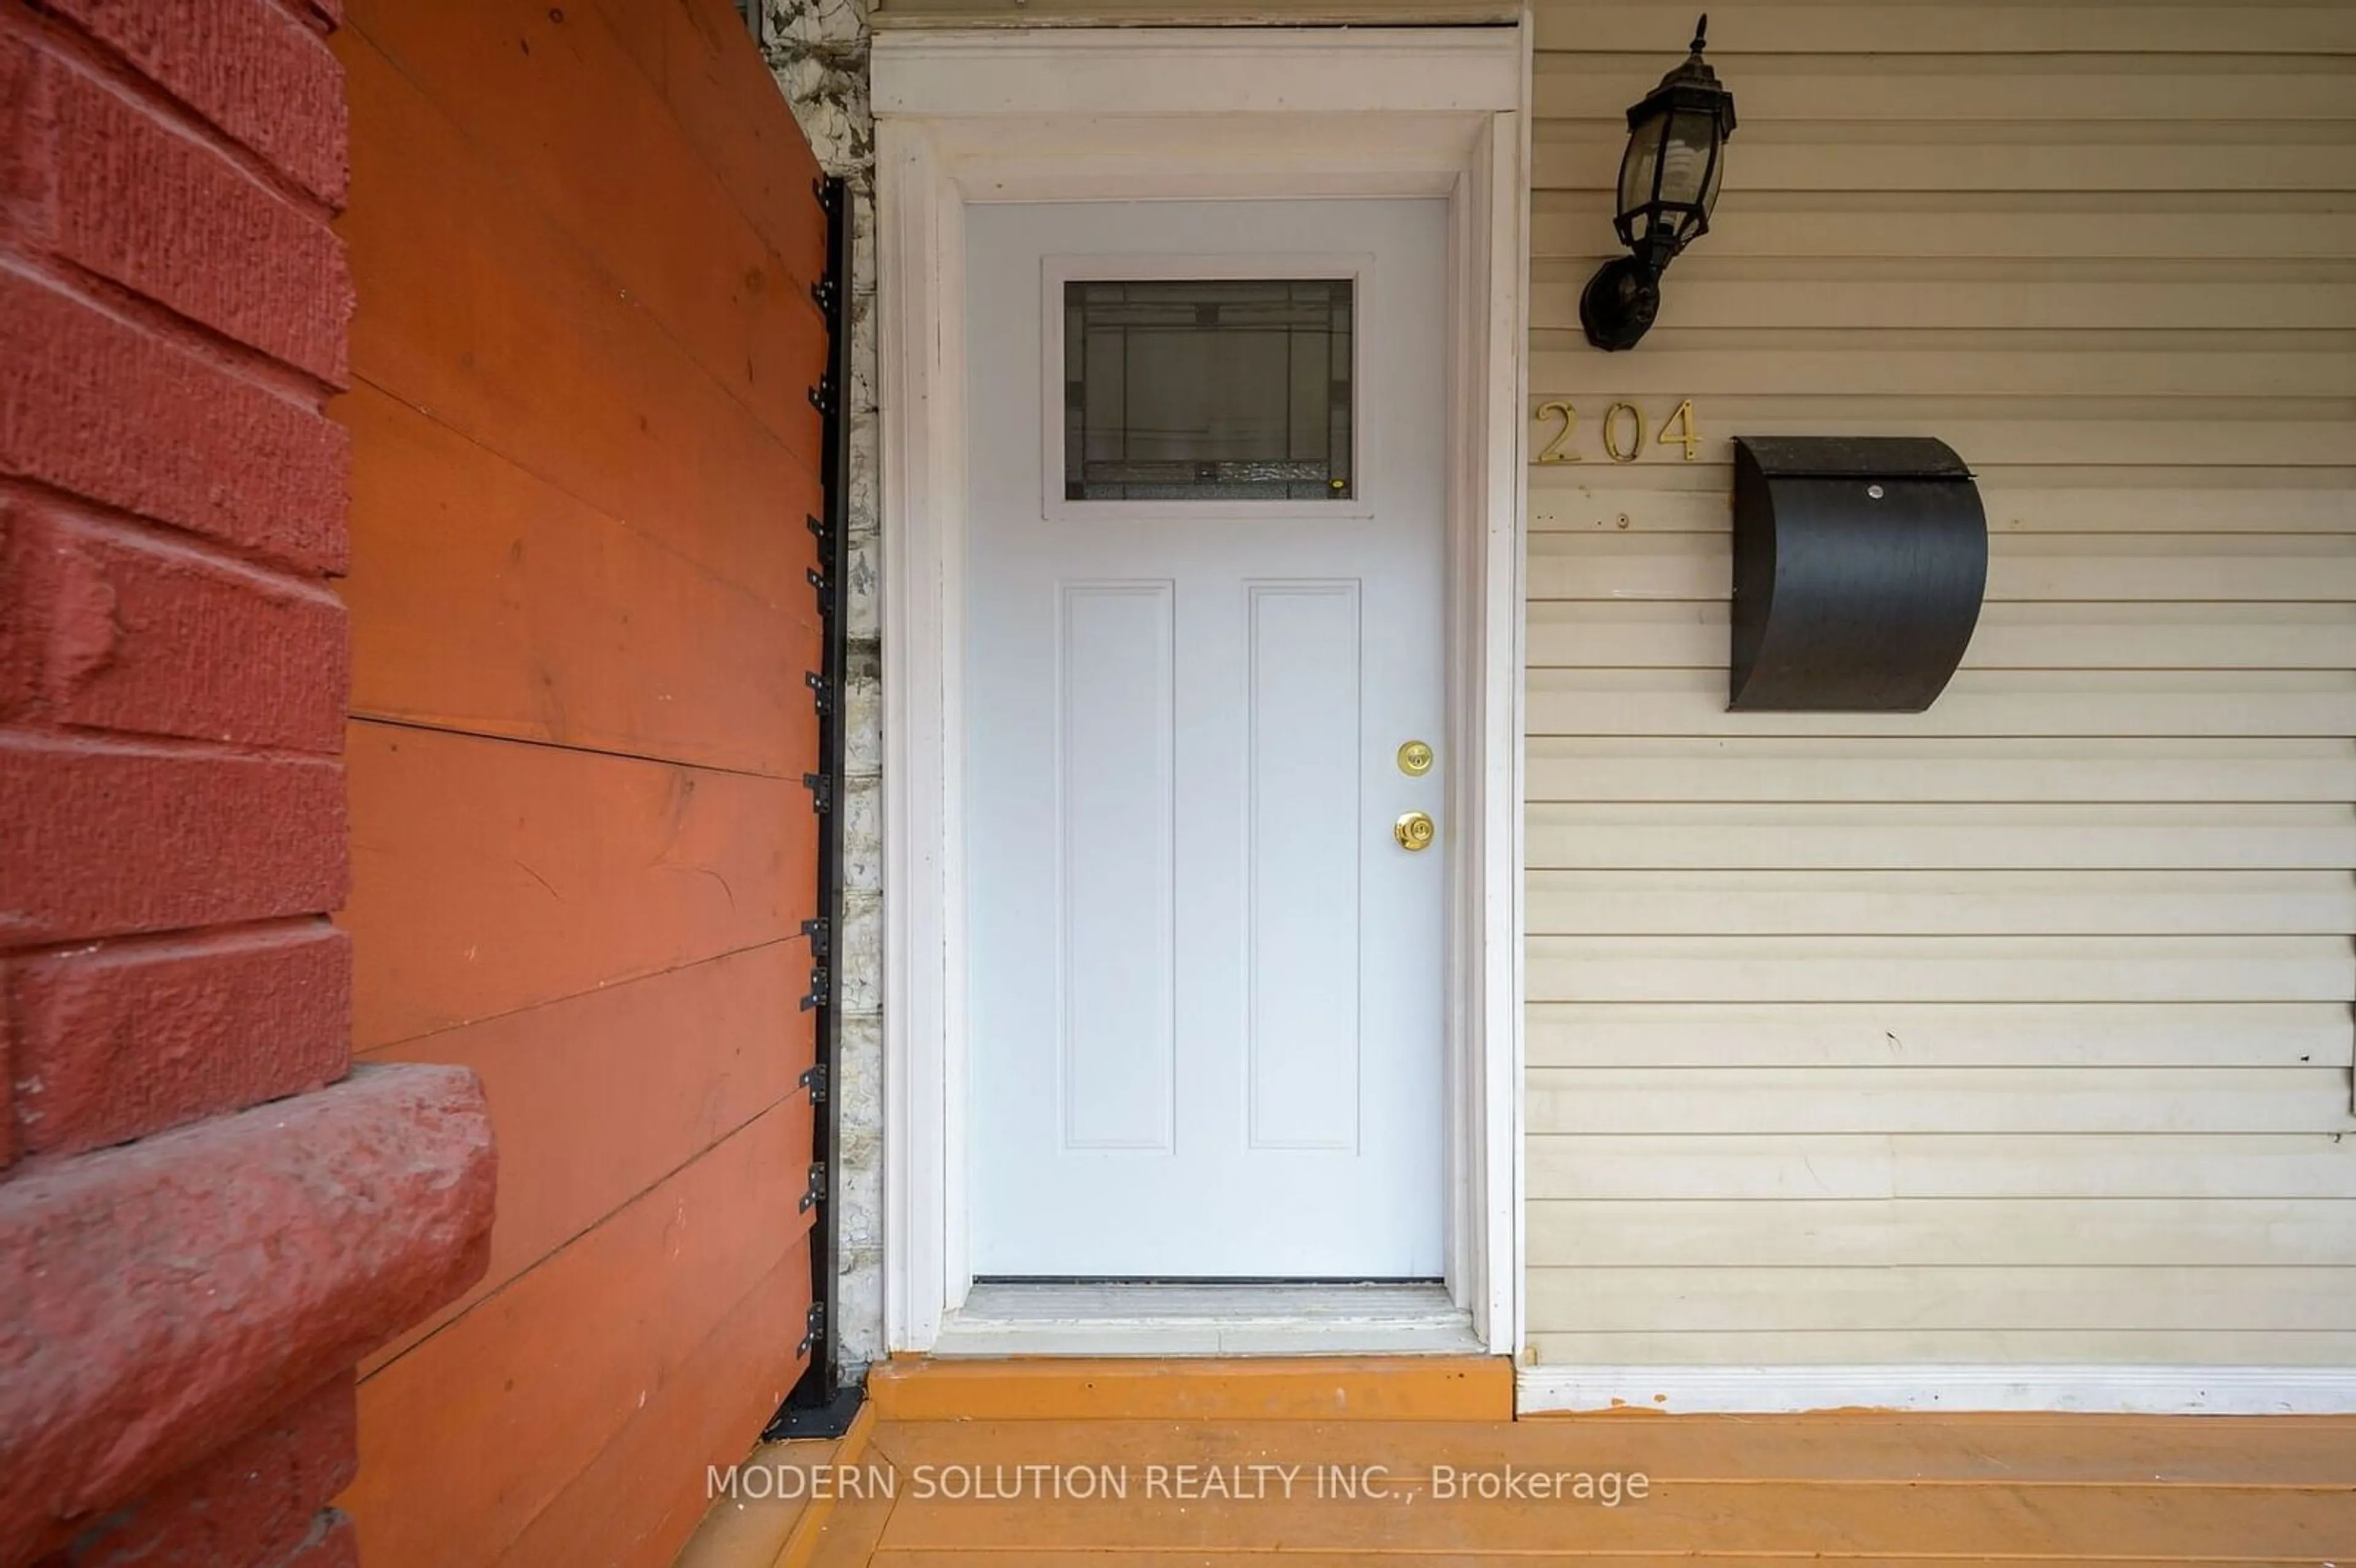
point(1077, 114)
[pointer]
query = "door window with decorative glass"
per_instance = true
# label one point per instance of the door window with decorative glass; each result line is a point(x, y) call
point(1208, 390)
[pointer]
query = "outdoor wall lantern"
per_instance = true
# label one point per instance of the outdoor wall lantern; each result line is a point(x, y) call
point(1668, 182)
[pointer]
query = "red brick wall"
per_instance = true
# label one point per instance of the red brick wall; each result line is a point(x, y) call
point(180, 1314)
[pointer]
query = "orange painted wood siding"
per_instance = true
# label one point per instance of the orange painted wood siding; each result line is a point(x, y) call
point(583, 238)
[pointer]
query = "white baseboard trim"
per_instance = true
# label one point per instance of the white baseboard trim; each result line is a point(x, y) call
point(2111, 1390)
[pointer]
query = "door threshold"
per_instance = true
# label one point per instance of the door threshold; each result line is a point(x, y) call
point(1058, 1319)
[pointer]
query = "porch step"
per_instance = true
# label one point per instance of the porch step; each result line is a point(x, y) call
point(1209, 1387)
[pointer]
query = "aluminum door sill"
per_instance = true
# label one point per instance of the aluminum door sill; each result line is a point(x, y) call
point(1054, 1319)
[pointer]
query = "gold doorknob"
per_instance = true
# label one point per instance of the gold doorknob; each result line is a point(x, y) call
point(1414, 831)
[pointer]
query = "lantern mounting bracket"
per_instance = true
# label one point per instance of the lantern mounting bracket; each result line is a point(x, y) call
point(1619, 303)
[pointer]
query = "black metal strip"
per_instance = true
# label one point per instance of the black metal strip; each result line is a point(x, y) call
point(820, 1406)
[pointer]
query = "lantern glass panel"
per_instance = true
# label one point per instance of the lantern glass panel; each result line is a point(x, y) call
point(1636, 167)
point(1695, 159)
point(1680, 147)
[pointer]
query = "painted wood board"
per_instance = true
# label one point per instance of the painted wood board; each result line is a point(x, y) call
point(490, 876)
point(485, 599)
point(483, 313)
point(542, 1377)
point(597, 1097)
point(552, 98)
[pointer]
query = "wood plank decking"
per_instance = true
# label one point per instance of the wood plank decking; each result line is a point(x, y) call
point(1849, 1487)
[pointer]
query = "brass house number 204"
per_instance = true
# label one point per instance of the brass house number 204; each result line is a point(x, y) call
point(1622, 431)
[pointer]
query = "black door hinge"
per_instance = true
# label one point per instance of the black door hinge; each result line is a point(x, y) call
point(820, 931)
point(820, 532)
point(813, 1327)
point(818, 581)
point(822, 292)
point(815, 1193)
point(822, 788)
point(821, 395)
point(821, 692)
point(826, 191)
point(817, 991)
point(813, 1079)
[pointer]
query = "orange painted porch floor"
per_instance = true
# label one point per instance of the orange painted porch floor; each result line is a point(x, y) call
point(1850, 1487)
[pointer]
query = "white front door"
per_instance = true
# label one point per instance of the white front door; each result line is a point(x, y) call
point(1203, 617)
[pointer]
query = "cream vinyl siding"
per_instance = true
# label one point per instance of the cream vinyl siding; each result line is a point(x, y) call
point(2018, 1031)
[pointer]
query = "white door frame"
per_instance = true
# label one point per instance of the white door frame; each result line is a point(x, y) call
point(1108, 114)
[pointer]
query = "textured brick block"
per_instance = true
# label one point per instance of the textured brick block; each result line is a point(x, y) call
point(98, 838)
point(122, 1039)
point(248, 65)
point(24, 637)
point(257, 1502)
point(7, 1081)
point(168, 218)
point(177, 1289)
point(135, 633)
point(26, 142)
point(101, 407)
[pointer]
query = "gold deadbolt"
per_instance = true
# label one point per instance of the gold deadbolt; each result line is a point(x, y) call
point(1415, 758)
point(1414, 831)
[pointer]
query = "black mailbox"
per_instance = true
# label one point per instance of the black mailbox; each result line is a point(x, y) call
point(1859, 566)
